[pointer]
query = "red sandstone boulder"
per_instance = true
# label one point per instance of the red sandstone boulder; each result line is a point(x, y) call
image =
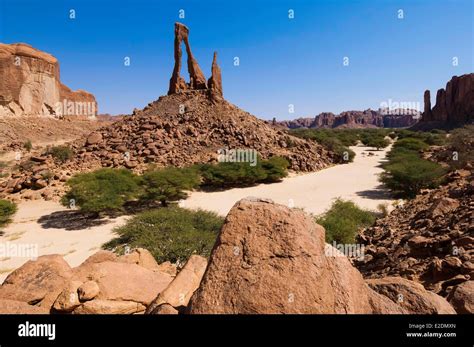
point(271, 259)
point(37, 282)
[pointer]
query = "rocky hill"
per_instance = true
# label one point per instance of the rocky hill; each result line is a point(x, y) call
point(355, 119)
point(31, 86)
point(454, 104)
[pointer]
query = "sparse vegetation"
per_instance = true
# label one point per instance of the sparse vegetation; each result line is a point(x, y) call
point(60, 153)
point(170, 234)
point(343, 220)
point(339, 140)
point(28, 145)
point(7, 210)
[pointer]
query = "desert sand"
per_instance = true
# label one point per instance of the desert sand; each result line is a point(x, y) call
point(313, 192)
point(54, 229)
point(50, 228)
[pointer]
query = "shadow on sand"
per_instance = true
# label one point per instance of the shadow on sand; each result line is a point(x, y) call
point(71, 220)
point(379, 193)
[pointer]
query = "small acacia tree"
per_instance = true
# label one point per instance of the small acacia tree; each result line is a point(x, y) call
point(101, 190)
point(169, 184)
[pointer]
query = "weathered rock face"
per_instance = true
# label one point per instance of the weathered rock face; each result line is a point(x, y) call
point(30, 85)
point(411, 296)
point(354, 119)
point(462, 297)
point(271, 259)
point(454, 104)
point(38, 282)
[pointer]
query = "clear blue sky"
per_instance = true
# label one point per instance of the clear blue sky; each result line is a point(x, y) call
point(282, 61)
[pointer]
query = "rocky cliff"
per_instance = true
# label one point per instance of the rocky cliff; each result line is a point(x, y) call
point(454, 104)
point(30, 85)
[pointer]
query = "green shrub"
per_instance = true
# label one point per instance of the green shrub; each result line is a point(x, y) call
point(7, 210)
point(28, 145)
point(343, 153)
point(170, 234)
point(242, 174)
point(168, 184)
point(275, 169)
point(60, 153)
point(343, 220)
point(407, 175)
point(376, 142)
point(101, 190)
point(412, 144)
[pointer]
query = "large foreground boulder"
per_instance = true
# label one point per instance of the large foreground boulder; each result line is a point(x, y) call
point(271, 259)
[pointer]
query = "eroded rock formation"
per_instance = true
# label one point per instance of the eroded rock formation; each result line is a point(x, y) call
point(30, 85)
point(196, 77)
point(454, 104)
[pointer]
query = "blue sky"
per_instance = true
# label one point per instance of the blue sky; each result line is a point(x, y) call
point(283, 61)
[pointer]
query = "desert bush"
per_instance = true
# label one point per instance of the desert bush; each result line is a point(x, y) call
point(170, 233)
point(7, 210)
point(60, 153)
point(411, 144)
point(226, 175)
point(275, 169)
point(343, 220)
point(169, 184)
point(461, 141)
point(407, 175)
point(28, 145)
point(101, 190)
point(377, 142)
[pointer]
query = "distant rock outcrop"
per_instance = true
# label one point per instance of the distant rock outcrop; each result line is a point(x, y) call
point(454, 104)
point(30, 86)
point(355, 119)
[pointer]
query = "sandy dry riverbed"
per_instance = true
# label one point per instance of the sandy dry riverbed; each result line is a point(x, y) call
point(50, 228)
point(314, 192)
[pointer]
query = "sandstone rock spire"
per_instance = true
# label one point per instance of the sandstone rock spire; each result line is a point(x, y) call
point(215, 81)
point(196, 77)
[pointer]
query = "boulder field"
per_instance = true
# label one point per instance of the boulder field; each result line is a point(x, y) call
point(267, 259)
